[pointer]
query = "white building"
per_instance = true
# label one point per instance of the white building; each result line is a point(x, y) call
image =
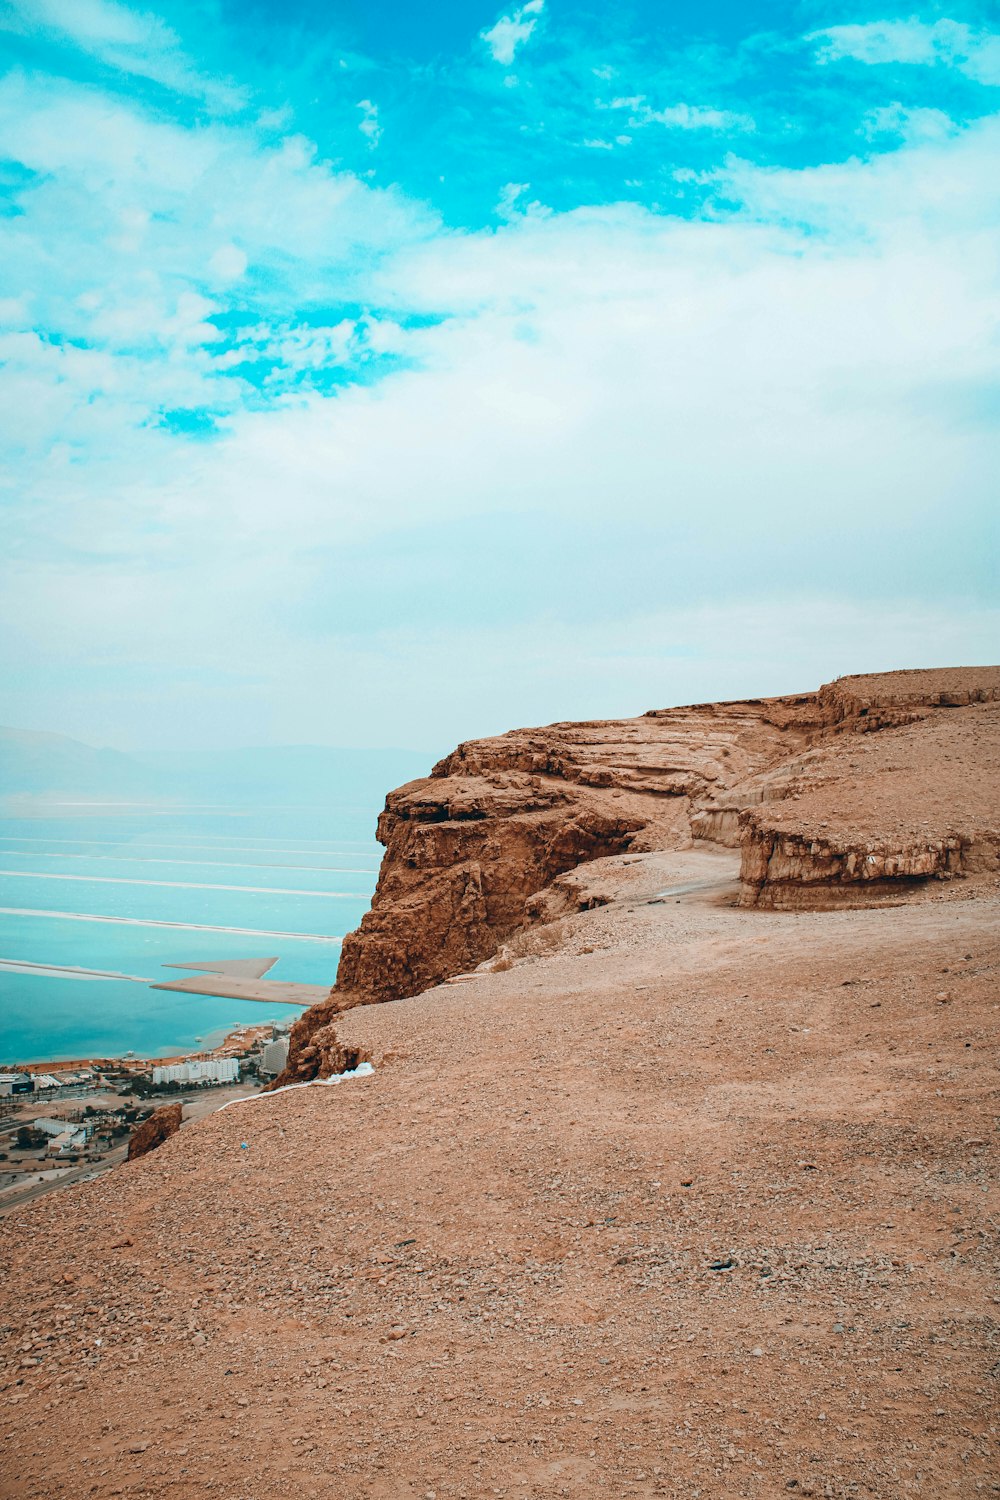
point(59, 1128)
point(72, 1139)
point(211, 1070)
point(274, 1056)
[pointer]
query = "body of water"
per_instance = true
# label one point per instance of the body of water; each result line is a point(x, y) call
point(125, 891)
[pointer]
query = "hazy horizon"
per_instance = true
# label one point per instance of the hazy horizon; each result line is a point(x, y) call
point(182, 747)
point(148, 751)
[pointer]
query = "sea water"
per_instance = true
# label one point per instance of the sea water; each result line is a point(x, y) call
point(127, 891)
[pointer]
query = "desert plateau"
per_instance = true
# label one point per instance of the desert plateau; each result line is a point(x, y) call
point(676, 1174)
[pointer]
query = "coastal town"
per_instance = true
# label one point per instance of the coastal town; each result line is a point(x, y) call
point(63, 1122)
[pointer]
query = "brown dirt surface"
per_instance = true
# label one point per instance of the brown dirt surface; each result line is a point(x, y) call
point(670, 1197)
point(922, 780)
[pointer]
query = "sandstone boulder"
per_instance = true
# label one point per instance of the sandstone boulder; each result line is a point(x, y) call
point(161, 1125)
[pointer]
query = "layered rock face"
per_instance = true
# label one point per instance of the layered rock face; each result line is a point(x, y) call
point(498, 820)
point(903, 788)
point(867, 788)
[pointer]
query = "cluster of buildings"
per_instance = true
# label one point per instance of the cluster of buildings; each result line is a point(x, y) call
point(270, 1060)
point(15, 1085)
point(204, 1070)
point(259, 1049)
point(64, 1136)
point(88, 1108)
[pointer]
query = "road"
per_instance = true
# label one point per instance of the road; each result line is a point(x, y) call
point(14, 1197)
point(204, 1102)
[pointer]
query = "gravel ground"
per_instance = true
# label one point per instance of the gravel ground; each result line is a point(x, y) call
point(701, 1204)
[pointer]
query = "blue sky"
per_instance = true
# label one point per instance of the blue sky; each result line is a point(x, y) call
point(373, 373)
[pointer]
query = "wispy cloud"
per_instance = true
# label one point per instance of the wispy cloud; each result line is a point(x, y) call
point(512, 205)
point(137, 241)
point(680, 116)
point(907, 123)
point(511, 32)
point(369, 125)
point(129, 41)
point(915, 42)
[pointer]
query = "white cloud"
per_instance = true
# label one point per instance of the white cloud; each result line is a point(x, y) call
point(915, 42)
point(510, 205)
point(649, 417)
point(369, 125)
point(511, 32)
point(911, 124)
point(124, 215)
point(228, 263)
point(943, 189)
point(700, 117)
point(130, 41)
point(298, 347)
point(14, 312)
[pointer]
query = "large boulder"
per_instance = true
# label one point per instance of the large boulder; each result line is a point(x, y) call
point(161, 1125)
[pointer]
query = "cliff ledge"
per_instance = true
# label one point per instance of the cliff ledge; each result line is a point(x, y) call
point(863, 792)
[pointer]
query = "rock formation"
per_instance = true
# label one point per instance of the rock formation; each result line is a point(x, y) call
point(863, 819)
point(860, 792)
point(161, 1125)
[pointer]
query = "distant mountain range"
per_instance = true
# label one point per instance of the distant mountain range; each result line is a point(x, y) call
point(40, 764)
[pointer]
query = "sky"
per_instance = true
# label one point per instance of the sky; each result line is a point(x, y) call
point(382, 374)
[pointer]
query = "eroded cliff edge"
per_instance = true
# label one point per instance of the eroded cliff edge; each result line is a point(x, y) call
point(862, 792)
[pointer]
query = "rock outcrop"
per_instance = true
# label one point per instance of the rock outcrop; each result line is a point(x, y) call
point(161, 1125)
point(855, 820)
point(470, 847)
point(862, 791)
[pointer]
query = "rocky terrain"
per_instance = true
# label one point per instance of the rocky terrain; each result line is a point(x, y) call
point(685, 1186)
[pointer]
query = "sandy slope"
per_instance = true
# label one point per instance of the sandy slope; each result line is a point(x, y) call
point(487, 1269)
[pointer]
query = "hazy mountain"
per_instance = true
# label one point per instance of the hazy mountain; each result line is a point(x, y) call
point(284, 775)
point(31, 761)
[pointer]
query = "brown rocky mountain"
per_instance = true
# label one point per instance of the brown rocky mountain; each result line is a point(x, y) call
point(828, 807)
point(677, 1174)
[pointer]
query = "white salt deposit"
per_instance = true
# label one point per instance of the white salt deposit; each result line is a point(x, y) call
point(363, 1070)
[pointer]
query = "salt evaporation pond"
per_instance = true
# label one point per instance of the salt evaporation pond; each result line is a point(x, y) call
point(127, 891)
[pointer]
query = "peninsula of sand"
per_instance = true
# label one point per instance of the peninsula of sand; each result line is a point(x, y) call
point(676, 1174)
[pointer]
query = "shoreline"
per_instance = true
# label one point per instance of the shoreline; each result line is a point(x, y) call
point(230, 1039)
